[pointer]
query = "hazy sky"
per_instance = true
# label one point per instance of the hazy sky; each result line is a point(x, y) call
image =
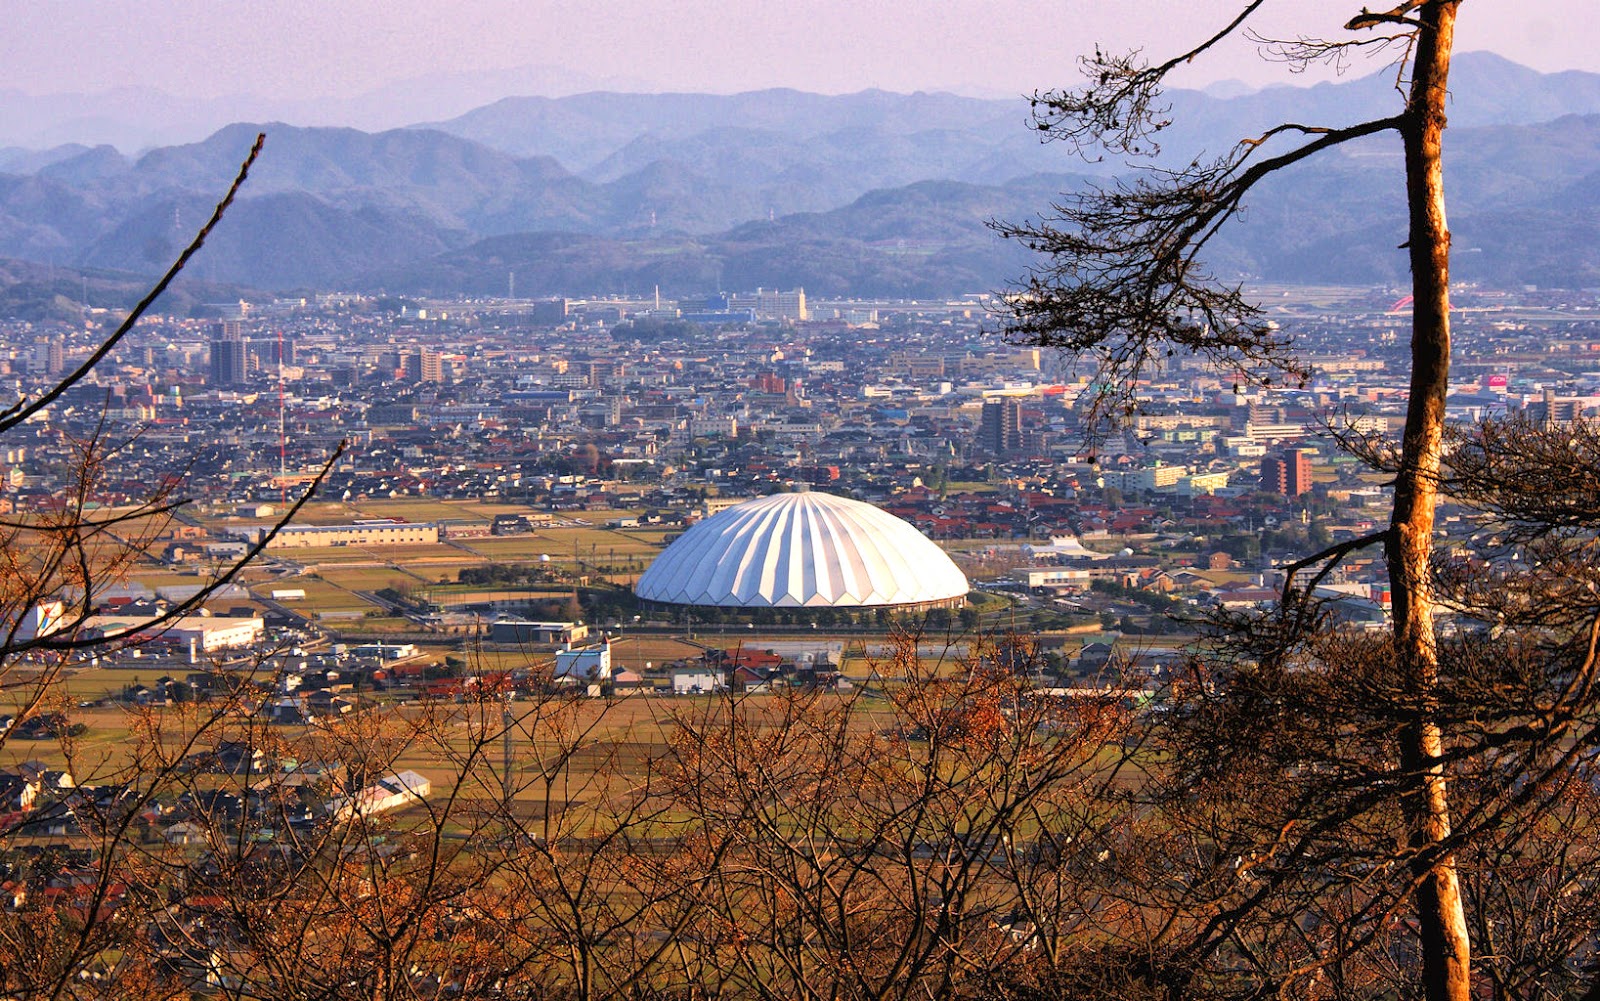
point(298, 49)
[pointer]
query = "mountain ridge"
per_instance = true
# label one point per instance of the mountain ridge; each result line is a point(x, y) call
point(899, 187)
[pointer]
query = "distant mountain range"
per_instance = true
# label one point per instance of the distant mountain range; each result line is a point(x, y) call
point(862, 194)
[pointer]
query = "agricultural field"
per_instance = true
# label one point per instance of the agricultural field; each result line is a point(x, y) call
point(327, 596)
point(512, 548)
point(588, 543)
point(101, 750)
point(587, 540)
point(619, 736)
point(369, 554)
point(421, 509)
point(363, 578)
point(465, 594)
point(371, 623)
point(655, 538)
point(153, 577)
point(633, 651)
point(314, 513)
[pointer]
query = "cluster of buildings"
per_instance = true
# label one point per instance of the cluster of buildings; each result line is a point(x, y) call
point(669, 407)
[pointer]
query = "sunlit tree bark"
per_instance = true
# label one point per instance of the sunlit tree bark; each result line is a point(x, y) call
point(1123, 282)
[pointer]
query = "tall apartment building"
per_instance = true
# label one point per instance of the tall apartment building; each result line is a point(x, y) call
point(1000, 427)
point(230, 359)
point(424, 365)
point(49, 355)
point(1287, 473)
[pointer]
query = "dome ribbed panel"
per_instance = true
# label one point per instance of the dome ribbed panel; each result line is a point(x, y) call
point(805, 549)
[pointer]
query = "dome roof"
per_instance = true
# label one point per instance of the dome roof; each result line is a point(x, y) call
point(802, 550)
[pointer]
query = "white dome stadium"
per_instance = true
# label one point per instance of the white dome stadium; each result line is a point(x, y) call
point(802, 550)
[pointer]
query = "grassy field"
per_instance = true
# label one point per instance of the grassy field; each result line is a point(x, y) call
point(463, 594)
point(154, 577)
point(600, 541)
point(654, 537)
point(633, 652)
point(484, 661)
point(364, 578)
point(325, 596)
point(563, 546)
point(518, 548)
point(422, 509)
point(382, 624)
point(594, 540)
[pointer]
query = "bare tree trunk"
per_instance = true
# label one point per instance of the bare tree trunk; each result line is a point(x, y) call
point(1446, 950)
